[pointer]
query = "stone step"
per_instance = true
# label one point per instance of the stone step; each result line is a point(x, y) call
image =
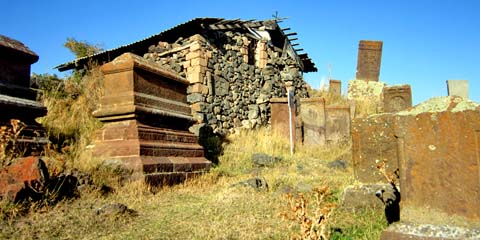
point(167, 135)
point(168, 149)
point(174, 164)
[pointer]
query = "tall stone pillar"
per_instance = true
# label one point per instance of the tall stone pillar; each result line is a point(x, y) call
point(369, 60)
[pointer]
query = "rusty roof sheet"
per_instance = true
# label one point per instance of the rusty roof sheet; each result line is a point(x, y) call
point(186, 29)
point(12, 45)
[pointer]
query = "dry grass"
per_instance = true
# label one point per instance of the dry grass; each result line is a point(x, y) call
point(209, 207)
point(330, 98)
point(69, 121)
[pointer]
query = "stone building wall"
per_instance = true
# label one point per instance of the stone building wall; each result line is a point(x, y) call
point(232, 77)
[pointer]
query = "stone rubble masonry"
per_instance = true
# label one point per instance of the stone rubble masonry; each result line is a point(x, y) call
point(458, 88)
point(312, 115)
point(369, 60)
point(232, 82)
point(397, 98)
point(335, 87)
point(373, 141)
point(146, 119)
point(368, 97)
point(439, 154)
point(261, 54)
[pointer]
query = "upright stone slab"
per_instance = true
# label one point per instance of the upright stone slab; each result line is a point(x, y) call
point(335, 87)
point(369, 60)
point(312, 114)
point(337, 123)
point(458, 88)
point(146, 118)
point(280, 120)
point(397, 98)
point(367, 97)
point(17, 100)
point(439, 156)
point(373, 142)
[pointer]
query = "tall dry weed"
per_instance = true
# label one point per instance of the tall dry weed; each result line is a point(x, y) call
point(69, 122)
point(10, 147)
point(312, 216)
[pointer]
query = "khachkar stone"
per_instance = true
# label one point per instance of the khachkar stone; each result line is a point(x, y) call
point(312, 116)
point(438, 144)
point(146, 118)
point(457, 88)
point(367, 97)
point(374, 142)
point(397, 98)
point(337, 123)
point(369, 60)
point(335, 87)
point(280, 117)
point(17, 100)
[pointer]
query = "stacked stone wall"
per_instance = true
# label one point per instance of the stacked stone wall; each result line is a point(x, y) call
point(232, 77)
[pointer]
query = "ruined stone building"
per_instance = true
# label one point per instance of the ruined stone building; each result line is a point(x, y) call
point(233, 67)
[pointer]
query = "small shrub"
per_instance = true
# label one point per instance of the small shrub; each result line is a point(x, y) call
point(10, 148)
point(314, 221)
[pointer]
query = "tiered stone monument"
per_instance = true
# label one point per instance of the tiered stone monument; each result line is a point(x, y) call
point(17, 100)
point(438, 144)
point(146, 119)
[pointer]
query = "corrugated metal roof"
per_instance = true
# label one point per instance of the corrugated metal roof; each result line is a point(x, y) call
point(186, 29)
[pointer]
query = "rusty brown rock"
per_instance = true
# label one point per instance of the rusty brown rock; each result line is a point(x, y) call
point(373, 141)
point(439, 155)
point(19, 179)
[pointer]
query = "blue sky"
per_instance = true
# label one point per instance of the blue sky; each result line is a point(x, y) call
point(425, 42)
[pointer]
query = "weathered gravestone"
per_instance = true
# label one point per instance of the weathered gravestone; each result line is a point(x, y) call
point(438, 144)
point(312, 115)
point(397, 98)
point(146, 117)
point(374, 142)
point(337, 123)
point(458, 88)
point(367, 97)
point(335, 87)
point(369, 60)
point(17, 100)
point(280, 117)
